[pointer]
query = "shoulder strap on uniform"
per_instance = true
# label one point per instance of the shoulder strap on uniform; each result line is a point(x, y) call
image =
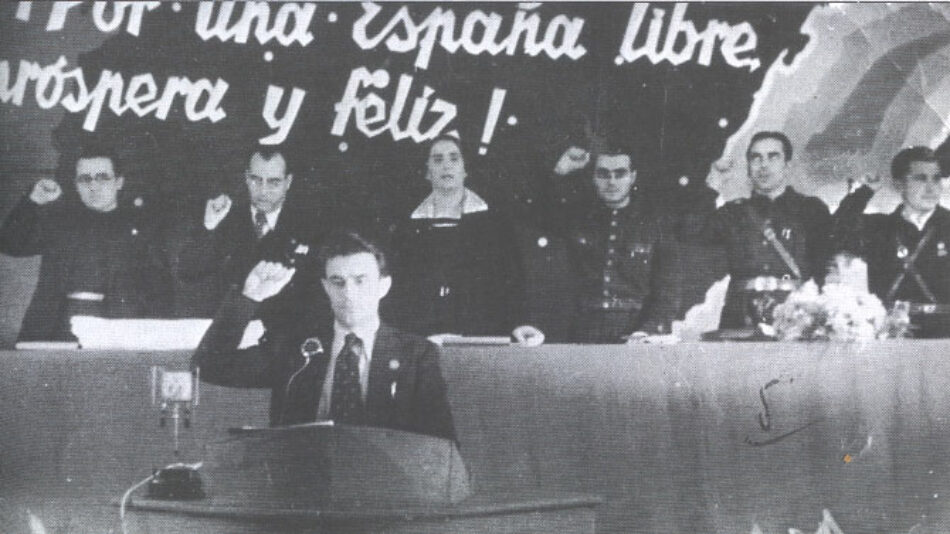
point(911, 269)
point(773, 240)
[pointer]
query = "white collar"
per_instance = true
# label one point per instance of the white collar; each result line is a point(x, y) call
point(471, 203)
point(366, 333)
point(918, 220)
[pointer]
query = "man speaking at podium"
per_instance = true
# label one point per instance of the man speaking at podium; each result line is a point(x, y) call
point(355, 371)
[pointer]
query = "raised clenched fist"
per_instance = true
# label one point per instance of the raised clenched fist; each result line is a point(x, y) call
point(573, 159)
point(871, 180)
point(215, 210)
point(528, 336)
point(45, 191)
point(266, 279)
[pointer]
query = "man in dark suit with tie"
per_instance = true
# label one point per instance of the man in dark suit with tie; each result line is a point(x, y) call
point(210, 256)
point(373, 374)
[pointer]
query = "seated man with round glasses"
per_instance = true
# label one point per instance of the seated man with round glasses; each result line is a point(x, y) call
point(98, 256)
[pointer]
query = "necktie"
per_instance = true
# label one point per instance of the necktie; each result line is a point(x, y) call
point(346, 400)
point(260, 223)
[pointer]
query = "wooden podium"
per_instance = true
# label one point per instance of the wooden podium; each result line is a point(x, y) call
point(335, 467)
point(340, 478)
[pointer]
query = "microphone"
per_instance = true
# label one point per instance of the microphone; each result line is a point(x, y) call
point(308, 349)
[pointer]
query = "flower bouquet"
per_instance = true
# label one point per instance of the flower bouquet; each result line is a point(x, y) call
point(842, 310)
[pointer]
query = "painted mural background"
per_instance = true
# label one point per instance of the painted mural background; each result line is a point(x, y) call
point(683, 86)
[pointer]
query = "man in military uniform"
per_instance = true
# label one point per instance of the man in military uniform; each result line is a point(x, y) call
point(908, 250)
point(774, 241)
point(614, 248)
point(98, 257)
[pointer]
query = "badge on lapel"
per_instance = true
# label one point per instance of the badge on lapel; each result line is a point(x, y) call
point(902, 252)
point(786, 233)
point(941, 249)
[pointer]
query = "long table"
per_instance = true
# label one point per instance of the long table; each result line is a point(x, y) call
point(686, 438)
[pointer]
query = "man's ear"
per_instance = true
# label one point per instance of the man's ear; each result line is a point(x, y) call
point(385, 284)
point(119, 182)
point(290, 179)
point(633, 176)
point(326, 285)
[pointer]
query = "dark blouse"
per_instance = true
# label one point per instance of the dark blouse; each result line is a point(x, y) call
point(458, 276)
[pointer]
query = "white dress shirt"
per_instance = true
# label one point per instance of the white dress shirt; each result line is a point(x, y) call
point(271, 219)
point(367, 335)
point(917, 219)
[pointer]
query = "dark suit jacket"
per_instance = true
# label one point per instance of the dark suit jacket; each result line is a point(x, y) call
point(412, 363)
point(206, 264)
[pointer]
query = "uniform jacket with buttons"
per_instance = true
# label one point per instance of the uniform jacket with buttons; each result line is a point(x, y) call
point(886, 241)
point(405, 391)
point(801, 223)
point(114, 254)
point(616, 255)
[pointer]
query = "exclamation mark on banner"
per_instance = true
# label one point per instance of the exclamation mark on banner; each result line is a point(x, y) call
point(23, 11)
point(494, 110)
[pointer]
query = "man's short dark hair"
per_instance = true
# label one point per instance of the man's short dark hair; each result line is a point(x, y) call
point(347, 243)
point(98, 150)
point(900, 165)
point(267, 153)
point(778, 136)
point(608, 148)
point(943, 157)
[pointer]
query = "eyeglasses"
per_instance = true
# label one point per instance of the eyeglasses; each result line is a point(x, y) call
point(602, 173)
point(101, 178)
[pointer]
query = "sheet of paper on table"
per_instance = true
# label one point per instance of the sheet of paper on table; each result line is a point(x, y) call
point(247, 429)
point(46, 345)
point(138, 334)
point(475, 340)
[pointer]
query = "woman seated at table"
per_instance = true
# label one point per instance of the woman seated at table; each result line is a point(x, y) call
point(455, 265)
